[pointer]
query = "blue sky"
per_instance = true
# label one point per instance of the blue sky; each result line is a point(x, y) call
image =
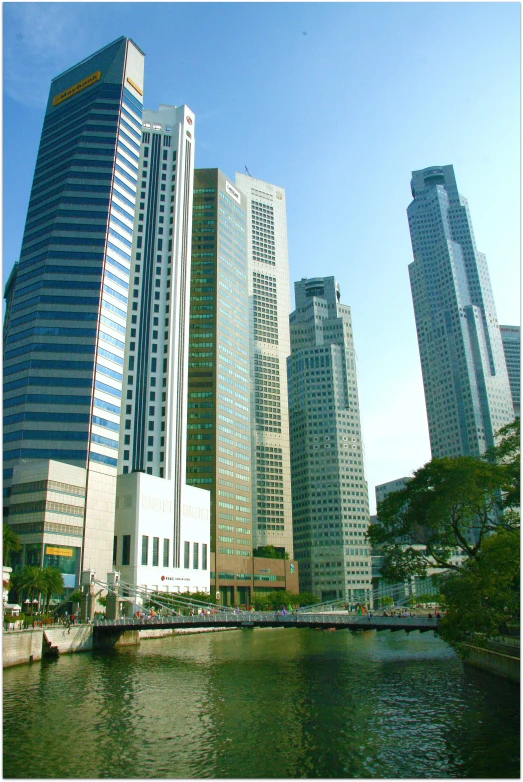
point(337, 103)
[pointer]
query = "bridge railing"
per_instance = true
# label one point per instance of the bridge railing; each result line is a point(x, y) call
point(246, 618)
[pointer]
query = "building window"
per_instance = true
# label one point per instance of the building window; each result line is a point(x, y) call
point(156, 548)
point(126, 550)
point(195, 556)
point(115, 546)
point(186, 554)
point(204, 556)
point(166, 552)
point(145, 549)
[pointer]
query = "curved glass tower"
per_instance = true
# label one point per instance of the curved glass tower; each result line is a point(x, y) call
point(467, 390)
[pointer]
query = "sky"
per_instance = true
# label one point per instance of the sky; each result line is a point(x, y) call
point(336, 103)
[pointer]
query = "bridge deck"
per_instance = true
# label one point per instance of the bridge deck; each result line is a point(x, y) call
point(269, 619)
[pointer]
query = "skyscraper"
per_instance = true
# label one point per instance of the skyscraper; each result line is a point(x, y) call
point(511, 338)
point(269, 307)
point(66, 316)
point(162, 525)
point(329, 491)
point(219, 423)
point(465, 378)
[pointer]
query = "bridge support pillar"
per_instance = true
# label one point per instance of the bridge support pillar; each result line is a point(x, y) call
point(113, 638)
point(112, 607)
point(88, 599)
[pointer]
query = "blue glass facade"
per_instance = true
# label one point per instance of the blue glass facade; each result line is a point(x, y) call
point(67, 296)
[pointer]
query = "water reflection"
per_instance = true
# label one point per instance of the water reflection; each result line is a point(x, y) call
point(264, 703)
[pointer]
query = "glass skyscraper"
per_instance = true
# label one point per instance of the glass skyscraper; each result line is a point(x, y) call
point(329, 492)
point(66, 315)
point(511, 338)
point(219, 418)
point(465, 377)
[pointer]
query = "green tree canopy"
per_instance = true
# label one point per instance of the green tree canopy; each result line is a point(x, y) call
point(272, 601)
point(52, 583)
point(486, 594)
point(450, 504)
point(29, 580)
point(270, 552)
point(11, 543)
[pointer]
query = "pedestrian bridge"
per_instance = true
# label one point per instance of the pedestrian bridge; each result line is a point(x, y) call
point(251, 619)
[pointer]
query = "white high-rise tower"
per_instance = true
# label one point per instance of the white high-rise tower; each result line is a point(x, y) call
point(269, 307)
point(162, 525)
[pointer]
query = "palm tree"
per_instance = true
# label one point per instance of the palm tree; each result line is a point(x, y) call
point(11, 542)
point(29, 580)
point(52, 583)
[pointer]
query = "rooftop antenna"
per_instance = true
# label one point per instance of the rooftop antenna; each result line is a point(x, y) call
point(247, 171)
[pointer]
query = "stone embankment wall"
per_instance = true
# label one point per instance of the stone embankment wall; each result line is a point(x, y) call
point(161, 633)
point(505, 665)
point(21, 646)
point(78, 638)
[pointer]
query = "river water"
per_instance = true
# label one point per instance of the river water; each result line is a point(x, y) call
point(262, 703)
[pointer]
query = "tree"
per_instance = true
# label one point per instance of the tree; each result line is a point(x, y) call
point(52, 582)
point(272, 601)
point(270, 552)
point(450, 503)
point(485, 595)
point(29, 580)
point(507, 455)
point(11, 543)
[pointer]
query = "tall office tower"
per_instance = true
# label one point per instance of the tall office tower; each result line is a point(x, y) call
point(511, 338)
point(329, 491)
point(467, 392)
point(218, 428)
point(67, 309)
point(269, 307)
point(170, 544)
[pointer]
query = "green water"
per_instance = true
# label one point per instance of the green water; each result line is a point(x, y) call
point(263, 703)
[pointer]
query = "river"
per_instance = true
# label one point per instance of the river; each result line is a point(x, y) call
point(262, 703)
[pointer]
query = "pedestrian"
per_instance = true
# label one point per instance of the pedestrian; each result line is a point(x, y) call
point(430, 616)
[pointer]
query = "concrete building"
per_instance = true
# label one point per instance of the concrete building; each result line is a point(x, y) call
point(467, 390)
point(162, 525)
point(330, 495)
point(269, 307)
point(384, 489)
point(66, 315)
point(511, 338)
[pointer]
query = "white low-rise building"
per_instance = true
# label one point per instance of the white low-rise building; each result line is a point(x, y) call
point(150, 548)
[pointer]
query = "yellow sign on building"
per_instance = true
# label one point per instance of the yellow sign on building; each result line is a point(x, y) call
point(136, 87)
point(59, 552)
point(78, 87)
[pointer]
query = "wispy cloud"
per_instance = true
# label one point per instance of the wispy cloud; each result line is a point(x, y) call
point(40, 40)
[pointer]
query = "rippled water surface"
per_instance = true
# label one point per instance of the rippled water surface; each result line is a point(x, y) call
point(263, 703)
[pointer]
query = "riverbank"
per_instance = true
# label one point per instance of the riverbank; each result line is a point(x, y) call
point(495, 661)
point(21, 647)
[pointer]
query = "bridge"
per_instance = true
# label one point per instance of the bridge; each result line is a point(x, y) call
point(172, 611)
point(251, 619)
